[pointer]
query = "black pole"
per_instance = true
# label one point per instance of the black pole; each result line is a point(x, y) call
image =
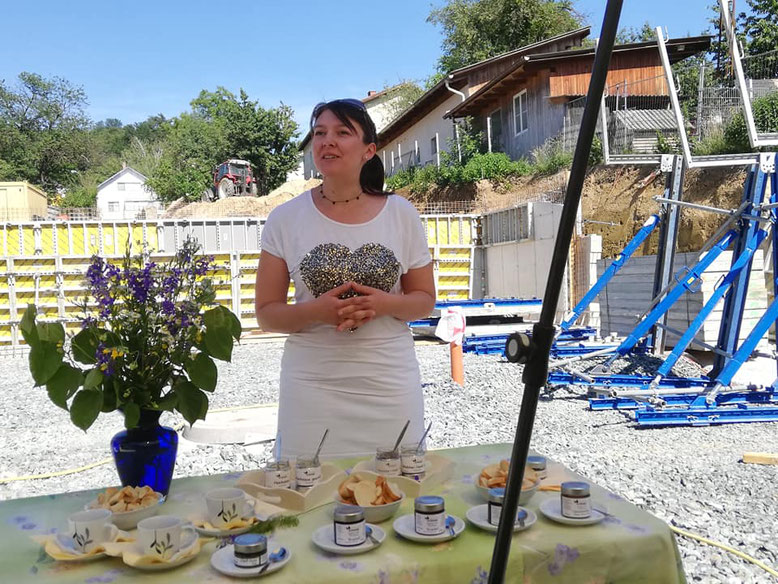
point(536, 369)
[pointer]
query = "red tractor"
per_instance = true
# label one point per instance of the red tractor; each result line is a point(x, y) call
point(232, 178)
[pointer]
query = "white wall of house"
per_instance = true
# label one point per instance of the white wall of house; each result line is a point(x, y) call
point(422, 133)
point(123, 196)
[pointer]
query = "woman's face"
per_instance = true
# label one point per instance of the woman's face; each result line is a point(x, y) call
point(337, 149)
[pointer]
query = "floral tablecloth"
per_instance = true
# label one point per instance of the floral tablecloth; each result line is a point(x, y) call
point(630, 546)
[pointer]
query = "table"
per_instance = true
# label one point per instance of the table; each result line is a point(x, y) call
point(630, 546)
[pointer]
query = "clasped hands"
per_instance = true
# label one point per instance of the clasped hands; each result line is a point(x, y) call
point(348, 314)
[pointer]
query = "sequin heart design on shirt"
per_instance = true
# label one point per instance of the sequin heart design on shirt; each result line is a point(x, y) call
point(328, 265)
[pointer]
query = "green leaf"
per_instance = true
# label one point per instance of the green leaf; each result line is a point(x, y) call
point(169, 402)
point(52, 332)
point(93, 379)
point(235, 327)
point(63, 384)
point(192, 403)
point(131, 415)
point(45, 359)
point(27, 326)
point(202, 372)
point(86, 407)
point(109, 398)
point(217, 338)
point(84, 347)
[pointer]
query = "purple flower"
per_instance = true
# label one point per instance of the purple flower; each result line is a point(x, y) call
point(562, 555)
point(104, 578)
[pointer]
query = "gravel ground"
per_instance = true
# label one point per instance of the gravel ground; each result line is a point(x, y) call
point(689, 477)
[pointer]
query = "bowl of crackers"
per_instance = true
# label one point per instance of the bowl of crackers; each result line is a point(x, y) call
point(128, 505)
point(379, 498)
point(496, 475)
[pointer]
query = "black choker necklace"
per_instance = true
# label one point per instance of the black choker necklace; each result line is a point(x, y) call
point(321, 190)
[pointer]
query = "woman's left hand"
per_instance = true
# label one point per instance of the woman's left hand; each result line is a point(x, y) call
point(361, 309)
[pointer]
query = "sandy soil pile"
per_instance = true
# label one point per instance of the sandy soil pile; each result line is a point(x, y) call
point(241, 206)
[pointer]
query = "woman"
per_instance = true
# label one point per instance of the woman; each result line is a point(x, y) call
point(361, 268)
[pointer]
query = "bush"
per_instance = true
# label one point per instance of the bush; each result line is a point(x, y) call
point(713, 144)
point(765, 118)
point(551, 157)
point(494, 166)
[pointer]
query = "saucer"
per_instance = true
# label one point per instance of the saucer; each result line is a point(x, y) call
point(61, 545)
point(405, 526)
point(479, 516)
point(324, 538)
point(552, 508)
point(222, 561)
point(187, 553)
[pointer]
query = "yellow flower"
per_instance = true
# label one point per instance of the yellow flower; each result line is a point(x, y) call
point(103, 367)
point(106, 351)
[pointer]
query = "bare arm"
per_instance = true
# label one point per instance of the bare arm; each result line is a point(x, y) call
point(416, 301)
point(274, 314)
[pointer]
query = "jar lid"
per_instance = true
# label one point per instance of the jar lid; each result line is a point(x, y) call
point(429, 504)
point(536, 462)
point(497, 495)
point(250, 543)
point(575, 489)
point(348, 514)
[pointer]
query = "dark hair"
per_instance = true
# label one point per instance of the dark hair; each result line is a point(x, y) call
point(349, 111)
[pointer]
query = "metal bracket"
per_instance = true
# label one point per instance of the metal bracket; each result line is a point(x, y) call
point(667, 162)
point(767, 162)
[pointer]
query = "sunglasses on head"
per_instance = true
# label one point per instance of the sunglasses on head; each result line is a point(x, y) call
point(347, 101)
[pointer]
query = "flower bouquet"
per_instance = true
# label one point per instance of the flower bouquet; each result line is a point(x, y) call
point(149, 336)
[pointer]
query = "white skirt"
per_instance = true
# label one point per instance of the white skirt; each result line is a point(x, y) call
point(363, 390)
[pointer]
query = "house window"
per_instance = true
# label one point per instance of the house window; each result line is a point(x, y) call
point(434, 145)
point(122, 186)
point(113, 207)
point(494, 131)
point(520, 112)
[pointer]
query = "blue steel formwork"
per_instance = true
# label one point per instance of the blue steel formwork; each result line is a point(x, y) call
point(668, 400)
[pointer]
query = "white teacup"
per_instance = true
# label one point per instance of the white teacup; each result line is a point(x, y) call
point(164, 535)
point(88, 529)
point(226, 504)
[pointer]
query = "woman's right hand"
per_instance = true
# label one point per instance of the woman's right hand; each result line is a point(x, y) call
point(329, 304)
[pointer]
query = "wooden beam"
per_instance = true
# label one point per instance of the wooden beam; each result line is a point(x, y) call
point(760, 458)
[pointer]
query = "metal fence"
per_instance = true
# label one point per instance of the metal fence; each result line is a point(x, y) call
point(761, 72)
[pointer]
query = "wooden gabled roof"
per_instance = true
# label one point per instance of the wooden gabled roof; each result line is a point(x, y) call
point(677, 49)
point(458, 79)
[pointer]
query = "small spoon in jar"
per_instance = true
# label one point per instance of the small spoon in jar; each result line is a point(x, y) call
point(423, 436)
point(318, 450)
point(400, 437)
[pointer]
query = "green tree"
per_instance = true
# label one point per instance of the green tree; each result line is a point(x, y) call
point(475, 30)
point(760, 26)
point(43, 131)
point(403, 96)
point(636, 35)
point(221, 126)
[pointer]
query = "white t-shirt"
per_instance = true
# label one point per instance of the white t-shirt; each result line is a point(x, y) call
point(361, 385)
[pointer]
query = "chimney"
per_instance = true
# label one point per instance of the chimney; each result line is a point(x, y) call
point(124, 165)
point(371, 93)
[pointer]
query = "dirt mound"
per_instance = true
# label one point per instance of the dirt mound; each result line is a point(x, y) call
point(625, 195)
point(241, 206)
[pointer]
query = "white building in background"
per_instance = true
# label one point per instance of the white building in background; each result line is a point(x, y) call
point(125, 196)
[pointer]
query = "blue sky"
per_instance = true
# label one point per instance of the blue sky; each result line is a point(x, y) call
point(136, 59)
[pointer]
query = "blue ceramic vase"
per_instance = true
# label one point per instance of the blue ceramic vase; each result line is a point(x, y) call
point(146, 454)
